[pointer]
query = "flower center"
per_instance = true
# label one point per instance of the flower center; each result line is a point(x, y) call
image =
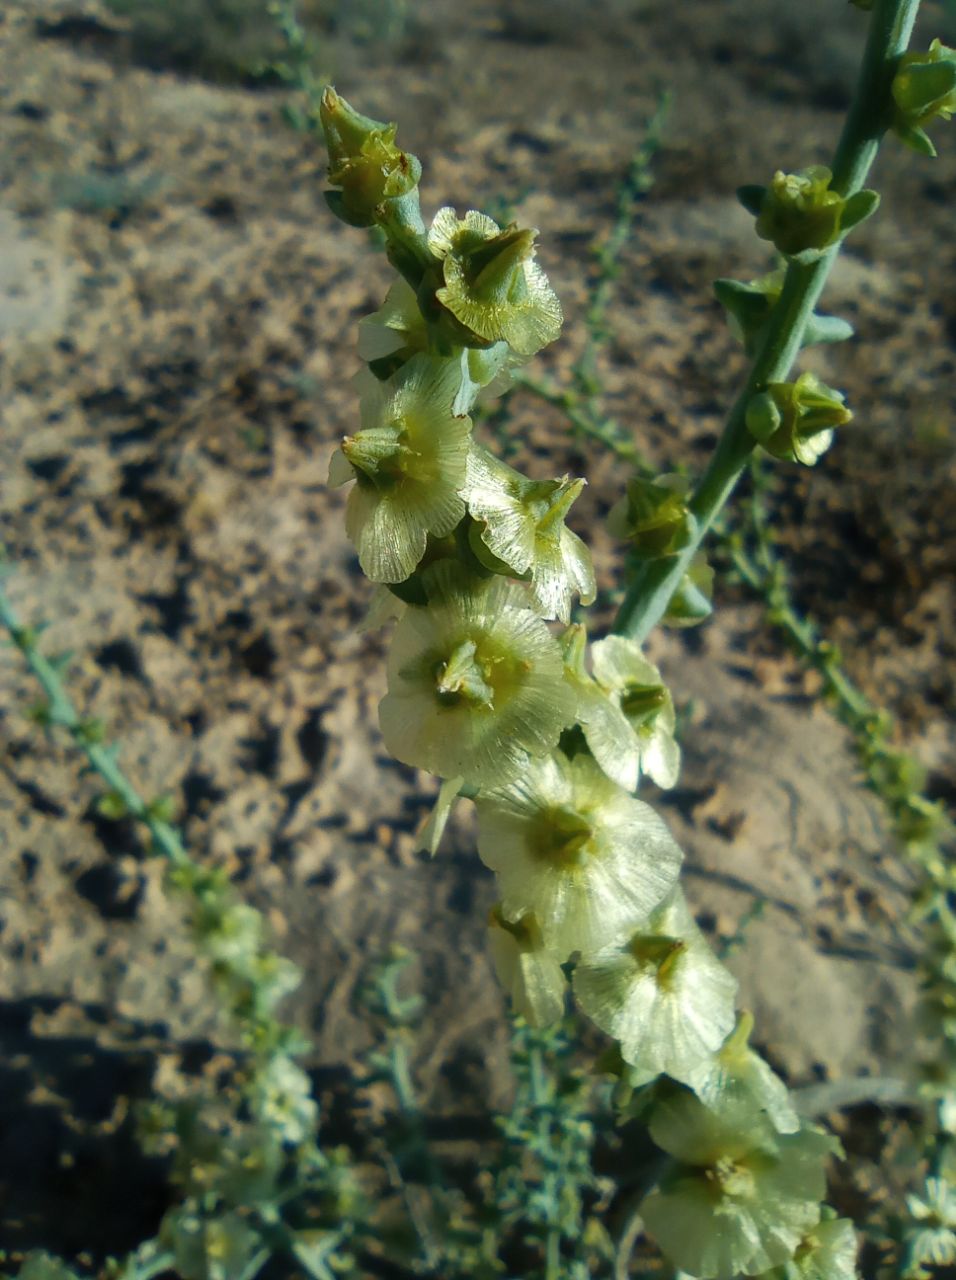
point(464, 678)
point(563, 837)
point(659, 952)
point(381, 454)
point(641, 702)
point(733, 1179)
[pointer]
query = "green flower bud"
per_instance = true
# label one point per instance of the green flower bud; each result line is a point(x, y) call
point(363, 161)
point(653, 517)
point(522, 527)
point(795, 420)
point(801, 215)
point(661, 993)
point(529, 973)
point(691, 602)
point(492, 285)
point(571, 846)
point(408, 461)
point(924, 88)
point(741, 1197)
point(475, 681)
point(634, 685)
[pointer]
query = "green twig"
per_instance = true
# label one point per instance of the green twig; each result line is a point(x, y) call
point(86, 734)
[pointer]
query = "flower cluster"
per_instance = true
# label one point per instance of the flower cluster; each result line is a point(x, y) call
point(493, 688)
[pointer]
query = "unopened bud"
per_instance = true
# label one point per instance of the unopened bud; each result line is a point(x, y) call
point(364, 162)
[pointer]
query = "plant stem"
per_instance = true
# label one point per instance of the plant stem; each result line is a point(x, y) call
point(100, 758)
point(652, 587)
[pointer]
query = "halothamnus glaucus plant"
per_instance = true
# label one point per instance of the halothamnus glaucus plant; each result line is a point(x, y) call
point(495, 686)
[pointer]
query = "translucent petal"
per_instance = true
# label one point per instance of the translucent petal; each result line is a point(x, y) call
point(529, 973)
point(617, 661)
point(670, 1009)
point(398, 323)
point(383, 607)
point(589, 860)
point(736, 1075)
point(492, 494)
point(612, 741)
point(660, 759)
point(390, 540)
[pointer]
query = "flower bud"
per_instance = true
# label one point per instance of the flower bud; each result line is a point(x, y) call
point(492, 285)
point(363, 161)
point(924, 87)
point(691, 603)
point(801, 215)
point(795, 420)
point(653, 517)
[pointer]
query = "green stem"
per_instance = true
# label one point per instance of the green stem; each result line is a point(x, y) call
point(101, 759)
point(650, 592)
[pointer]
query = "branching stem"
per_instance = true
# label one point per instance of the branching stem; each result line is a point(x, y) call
point(655, 582)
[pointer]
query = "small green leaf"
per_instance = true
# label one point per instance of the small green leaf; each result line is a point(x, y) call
point(112, 806)
point(826, 329)
point(751, 196)
point(858, 207)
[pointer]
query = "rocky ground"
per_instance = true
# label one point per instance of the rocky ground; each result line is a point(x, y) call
point(177, 329)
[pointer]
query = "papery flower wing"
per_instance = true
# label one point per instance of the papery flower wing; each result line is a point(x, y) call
point(397, 323)
point(660, 759)
point(492, 493)
point(589, 860)
point(736, 1075)
point(610, 737)
point(530, 974)
point(617, 662)
point(383, 607)
point(561, 568)
point(666, 998)
point(389, 540)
